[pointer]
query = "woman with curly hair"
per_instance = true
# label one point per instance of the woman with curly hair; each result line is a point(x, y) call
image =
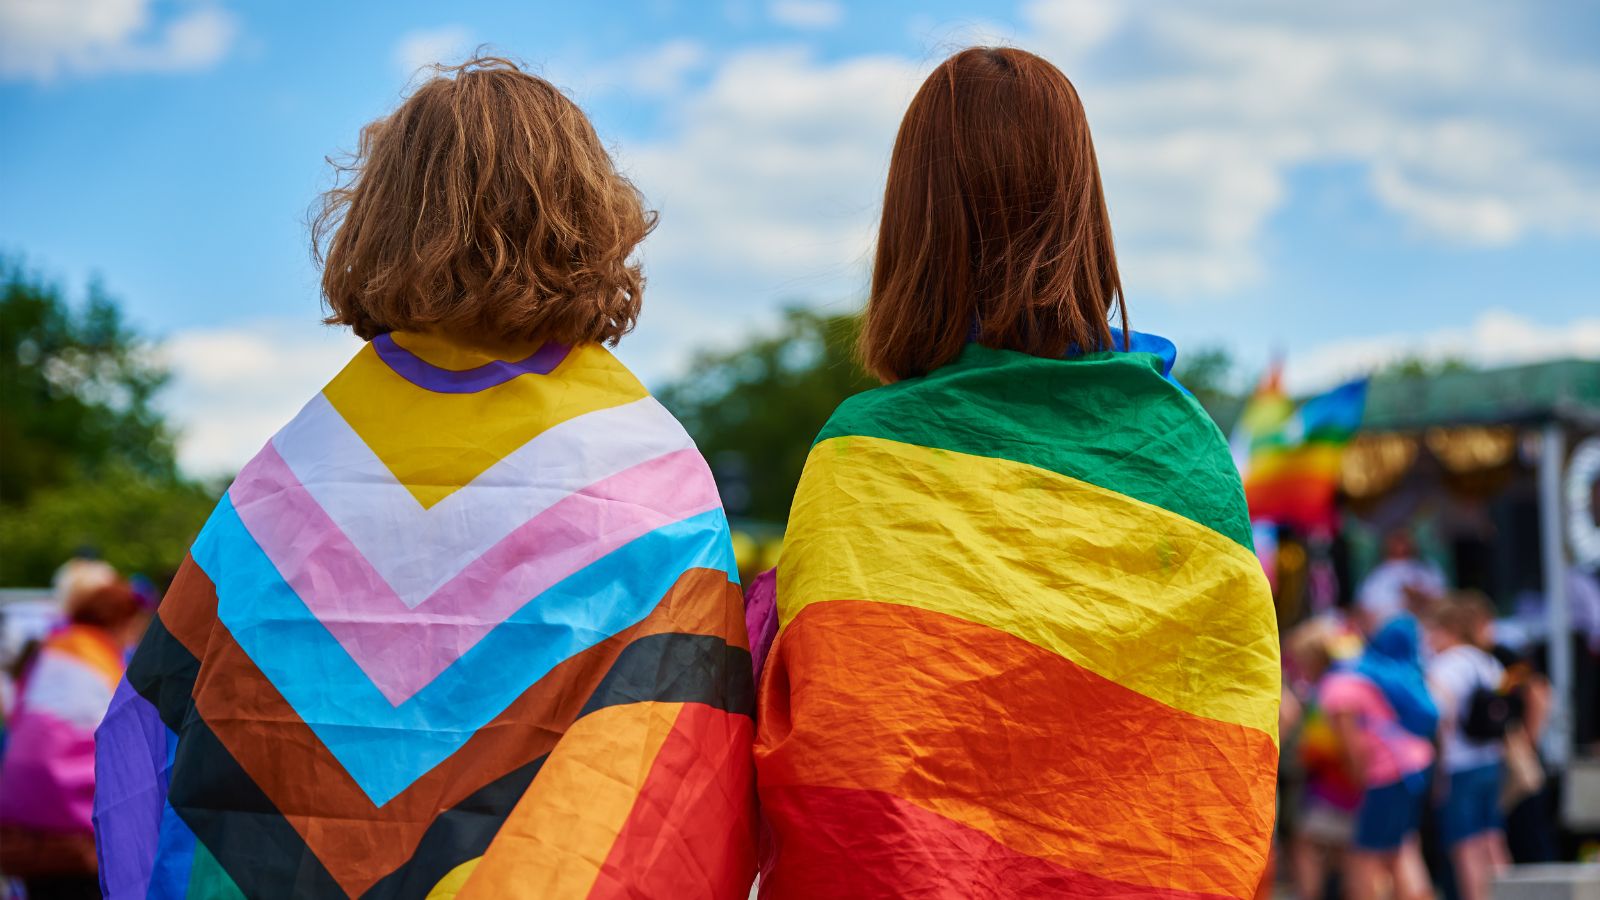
point(469, 624)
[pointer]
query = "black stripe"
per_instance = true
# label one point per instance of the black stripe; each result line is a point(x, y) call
point(456, 835)
point(212, 793)
point(266, 857)
point(702, 669)
point(163, 671)
point(238, 823)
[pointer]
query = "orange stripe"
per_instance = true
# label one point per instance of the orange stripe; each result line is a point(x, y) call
point(91, 646)
point(689, 834)
point(554, 840)
point(994, 733)
point(912, 853)
point(360, 843)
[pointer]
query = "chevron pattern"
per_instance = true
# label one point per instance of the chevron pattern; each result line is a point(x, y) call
point(458, 629)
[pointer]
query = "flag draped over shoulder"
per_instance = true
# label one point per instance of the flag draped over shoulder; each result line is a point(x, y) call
point(466, 626)
point(1025, 649)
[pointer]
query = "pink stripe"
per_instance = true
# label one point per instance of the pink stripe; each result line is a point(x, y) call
point(370, 621)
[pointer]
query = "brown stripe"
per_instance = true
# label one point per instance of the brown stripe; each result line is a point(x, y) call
point(360, 843)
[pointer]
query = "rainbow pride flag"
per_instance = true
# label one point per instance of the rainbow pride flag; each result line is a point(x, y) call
point(1290, 458)
point(1024, 648)
point(467, 626)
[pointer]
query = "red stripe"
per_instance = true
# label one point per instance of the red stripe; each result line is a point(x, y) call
point(891, 848)
point(999, 735)
point(688, 834)
point(1297, 498)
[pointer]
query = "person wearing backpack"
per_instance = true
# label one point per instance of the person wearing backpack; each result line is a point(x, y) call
point(1476, 714)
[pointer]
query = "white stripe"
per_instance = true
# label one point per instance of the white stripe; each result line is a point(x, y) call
point(67, 689)
point(417, 550)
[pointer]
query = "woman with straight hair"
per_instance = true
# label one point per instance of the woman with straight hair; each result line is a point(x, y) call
point(468, 625)
point(1024, 647)
point(1478, 716)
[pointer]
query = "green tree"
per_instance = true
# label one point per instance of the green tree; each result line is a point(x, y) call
point(754, 411)
point(1408, 367)
point(133, 521)
point(86, 461)
point(1208, 373)
point(78, 390)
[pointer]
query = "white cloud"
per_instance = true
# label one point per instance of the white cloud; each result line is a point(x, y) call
point(1076, 24)
point(1466, 129)
point(446, 44)
point(768, 188)
point(234, 387)
point(1497, 337)
point(661, 72)
point(771, 165)
point(808, 14)
point(44, 39)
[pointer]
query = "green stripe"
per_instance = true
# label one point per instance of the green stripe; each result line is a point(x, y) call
point(1109, 419)
point(208, 881)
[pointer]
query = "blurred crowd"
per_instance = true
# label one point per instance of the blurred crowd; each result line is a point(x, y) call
point(1411, 731)
point(54, 690)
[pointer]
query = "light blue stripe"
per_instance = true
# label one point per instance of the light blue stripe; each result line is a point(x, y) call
point(385, 748)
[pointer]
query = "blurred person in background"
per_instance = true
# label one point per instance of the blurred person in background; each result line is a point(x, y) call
point(1527, 796)
point(1475, 717)
point(1384, 718)
point(1322, 805)
point(47, 775)
point(1403, 582)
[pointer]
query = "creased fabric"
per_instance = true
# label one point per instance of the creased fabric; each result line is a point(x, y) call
point(466, 626)
point(1024, 646)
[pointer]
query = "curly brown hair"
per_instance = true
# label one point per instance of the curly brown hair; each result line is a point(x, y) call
point(485, 205)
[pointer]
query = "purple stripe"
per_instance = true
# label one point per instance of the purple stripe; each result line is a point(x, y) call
point(761, 618)
point(428, 376)
point(131, 769)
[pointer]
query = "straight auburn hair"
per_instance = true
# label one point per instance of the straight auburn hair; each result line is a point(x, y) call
point(995, 225)
point(486, 207)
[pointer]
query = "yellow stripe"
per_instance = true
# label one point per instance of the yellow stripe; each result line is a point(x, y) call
point(451, 884)
point(559, 834)
point(436, 443)
point(1144, 597)
point(1315, 459)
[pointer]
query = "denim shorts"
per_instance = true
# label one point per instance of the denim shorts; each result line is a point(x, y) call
point(1473, 806)
point(1388, 813)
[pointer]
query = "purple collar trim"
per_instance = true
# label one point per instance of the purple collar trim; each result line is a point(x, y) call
point(428, 376)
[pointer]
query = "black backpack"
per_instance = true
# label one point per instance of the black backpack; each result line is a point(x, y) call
point(1491, 713)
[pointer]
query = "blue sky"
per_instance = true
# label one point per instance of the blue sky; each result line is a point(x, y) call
point(1345, 185)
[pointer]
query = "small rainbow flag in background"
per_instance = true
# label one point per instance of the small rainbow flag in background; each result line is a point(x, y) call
point(1290, 458)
